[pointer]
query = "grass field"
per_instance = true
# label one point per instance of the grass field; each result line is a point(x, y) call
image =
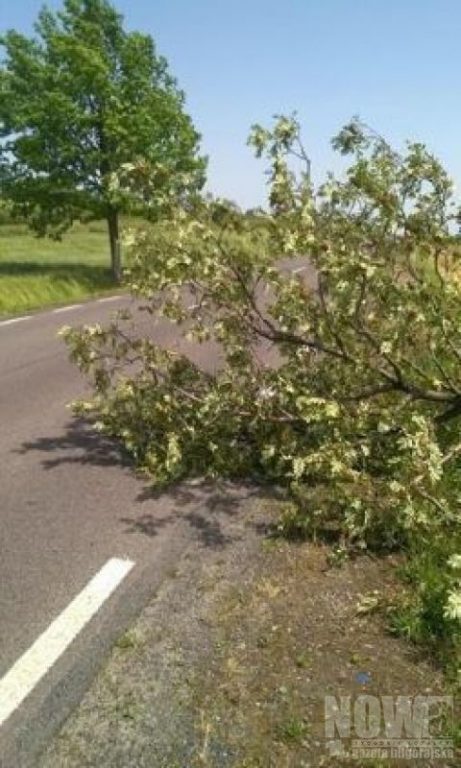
point(38, 272)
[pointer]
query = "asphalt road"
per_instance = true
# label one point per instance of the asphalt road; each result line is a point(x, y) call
point(67, 507)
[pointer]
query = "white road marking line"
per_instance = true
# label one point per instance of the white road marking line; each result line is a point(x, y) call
point(15, 320)
point(24, 675)
point(298, 270)
point(108, 298)
point(67, 308)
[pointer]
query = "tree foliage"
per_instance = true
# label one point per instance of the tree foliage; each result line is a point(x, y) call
point(78, 102)
point(346, 389)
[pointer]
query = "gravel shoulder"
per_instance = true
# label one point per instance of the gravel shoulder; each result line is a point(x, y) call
point(230, 662)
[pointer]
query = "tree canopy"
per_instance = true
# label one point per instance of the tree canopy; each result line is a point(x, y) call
point(343, 389)
point(358, 415)
point(78, 102)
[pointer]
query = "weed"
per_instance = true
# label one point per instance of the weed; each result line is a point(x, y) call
point(292, 731)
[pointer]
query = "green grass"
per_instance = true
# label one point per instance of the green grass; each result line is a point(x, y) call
point(39, 272)
point(419, 615)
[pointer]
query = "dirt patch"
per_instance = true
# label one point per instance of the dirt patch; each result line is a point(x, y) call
point(229, 665)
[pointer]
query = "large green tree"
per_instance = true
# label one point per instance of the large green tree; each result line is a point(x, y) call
point(79, 102)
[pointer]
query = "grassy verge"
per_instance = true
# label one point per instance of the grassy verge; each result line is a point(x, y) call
point(37, 273)
point(420, 615)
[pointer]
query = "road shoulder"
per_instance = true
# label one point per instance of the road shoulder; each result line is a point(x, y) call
point(229, 664)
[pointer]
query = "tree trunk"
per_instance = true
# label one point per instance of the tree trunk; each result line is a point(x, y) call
point(114, 239)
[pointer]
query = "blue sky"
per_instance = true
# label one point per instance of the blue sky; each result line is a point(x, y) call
point(396, 63)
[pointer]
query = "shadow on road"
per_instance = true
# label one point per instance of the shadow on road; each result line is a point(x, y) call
point(78, 444)
point(206, 507)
